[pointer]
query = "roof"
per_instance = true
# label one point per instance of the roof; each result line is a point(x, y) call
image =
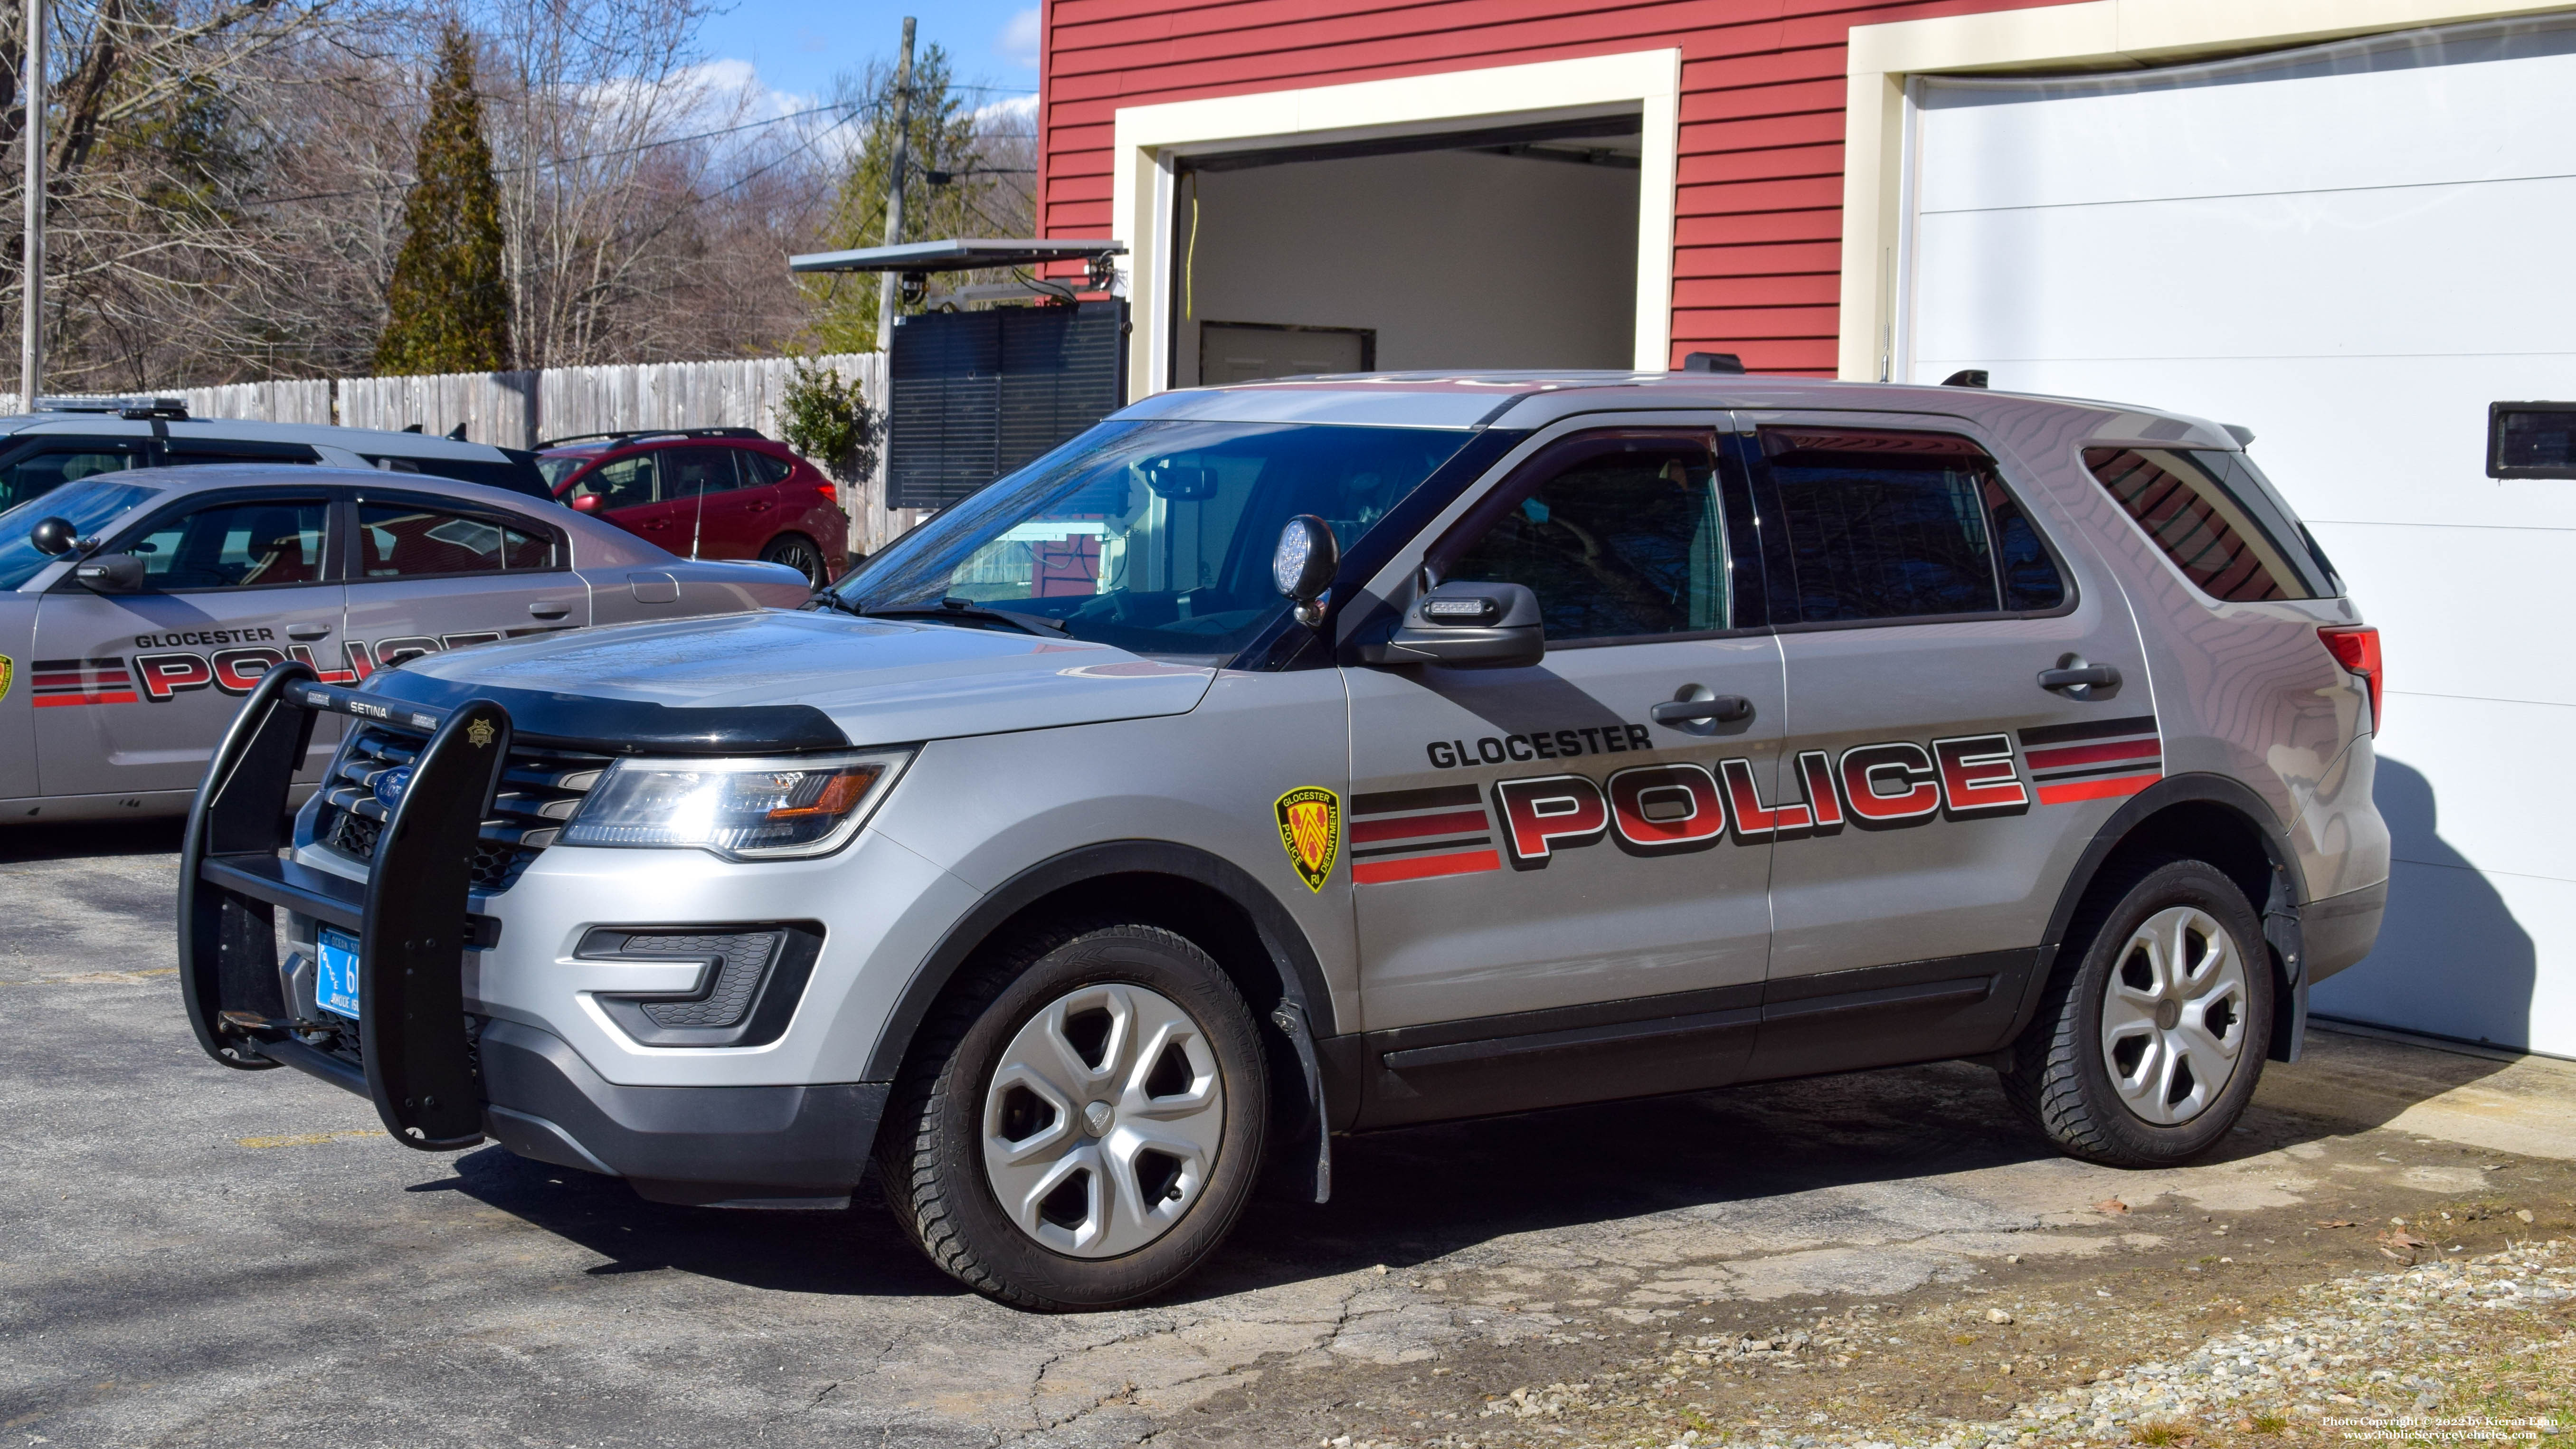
point(375, 441)
point(955, 255)
point(1531, 398)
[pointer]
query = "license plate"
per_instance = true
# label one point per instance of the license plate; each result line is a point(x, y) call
point(335, 983)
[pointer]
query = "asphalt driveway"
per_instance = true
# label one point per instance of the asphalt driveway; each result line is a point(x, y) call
point(194, 1255)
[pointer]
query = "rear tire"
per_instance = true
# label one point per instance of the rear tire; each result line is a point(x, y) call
point(2150, 1040)
point(799, 553)
point(1082, 1119)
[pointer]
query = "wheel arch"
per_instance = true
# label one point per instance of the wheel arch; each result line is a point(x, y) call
point(2222, 821)
point(1194, 892)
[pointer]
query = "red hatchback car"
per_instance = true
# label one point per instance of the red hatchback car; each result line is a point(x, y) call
point(707, 493)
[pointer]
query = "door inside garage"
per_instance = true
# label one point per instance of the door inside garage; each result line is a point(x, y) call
point(2352, 250)
point(1504, 247)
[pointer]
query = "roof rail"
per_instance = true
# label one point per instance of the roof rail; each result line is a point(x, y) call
point(623, 434)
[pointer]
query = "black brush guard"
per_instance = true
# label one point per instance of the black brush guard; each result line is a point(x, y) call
point(411, 917)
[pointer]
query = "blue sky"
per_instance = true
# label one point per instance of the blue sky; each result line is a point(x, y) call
point(798, 46)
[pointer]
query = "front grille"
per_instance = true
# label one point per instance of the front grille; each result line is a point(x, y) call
point(539, 791)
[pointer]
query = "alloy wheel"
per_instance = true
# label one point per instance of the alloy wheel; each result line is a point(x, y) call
point(2173, 1015)
point(1103, 1120)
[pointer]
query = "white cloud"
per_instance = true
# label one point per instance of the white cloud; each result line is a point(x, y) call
point(1012, 113)
point(1018, 41)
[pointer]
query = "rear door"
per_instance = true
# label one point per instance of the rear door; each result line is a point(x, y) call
point(1919, 593)
point(131, 692)
point(1556, 899)
point(711, 514)
point(430, 574)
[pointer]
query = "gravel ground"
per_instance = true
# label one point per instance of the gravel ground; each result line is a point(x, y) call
point(2451, 1349)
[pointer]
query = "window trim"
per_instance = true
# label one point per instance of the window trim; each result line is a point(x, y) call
point(187, 504)
point(362, 497)
point(1768, 503)
point(1544, 464)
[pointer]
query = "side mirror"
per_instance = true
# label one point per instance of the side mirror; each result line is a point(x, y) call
point(586, 503)
point(53, 537)
point(1304, 564)
point(1467, 626)
point(112, 573)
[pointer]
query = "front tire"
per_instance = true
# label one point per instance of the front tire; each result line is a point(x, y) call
point(1082, 1121)
point(2147, 1047)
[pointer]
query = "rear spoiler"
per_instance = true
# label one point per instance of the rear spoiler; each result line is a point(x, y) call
point(411, 917)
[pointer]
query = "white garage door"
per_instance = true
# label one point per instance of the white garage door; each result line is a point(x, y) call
point(2351, 250)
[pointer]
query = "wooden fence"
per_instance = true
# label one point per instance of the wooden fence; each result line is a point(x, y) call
point(524, 409)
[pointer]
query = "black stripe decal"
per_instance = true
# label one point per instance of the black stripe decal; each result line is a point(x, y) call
point(1394, 801)
point(2144, 724)
point(1410, 846)
point(2149, 766)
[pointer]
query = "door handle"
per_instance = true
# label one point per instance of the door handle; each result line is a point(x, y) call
point(756, 507)
point(2079, 676)
point(1722, 708)
point(307, 631)
point(549, 609)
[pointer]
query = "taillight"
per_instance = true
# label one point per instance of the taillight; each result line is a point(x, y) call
point(2356, 648)
point(830, 493)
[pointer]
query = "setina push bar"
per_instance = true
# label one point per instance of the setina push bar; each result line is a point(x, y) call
point(411, 917)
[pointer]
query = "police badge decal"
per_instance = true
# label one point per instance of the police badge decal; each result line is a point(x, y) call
point(1310, 825)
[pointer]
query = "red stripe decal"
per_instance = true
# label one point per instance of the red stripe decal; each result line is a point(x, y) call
point(1422, 867)
point(53, 701)
point(1456, 822)
point(2109, 789)
point(2095, 754)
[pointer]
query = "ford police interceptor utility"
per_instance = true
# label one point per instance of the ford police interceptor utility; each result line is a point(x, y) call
point(138, 607)
point(1304, 757)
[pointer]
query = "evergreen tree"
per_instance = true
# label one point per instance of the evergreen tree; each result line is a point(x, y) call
point(944, 138)
point(448, 304)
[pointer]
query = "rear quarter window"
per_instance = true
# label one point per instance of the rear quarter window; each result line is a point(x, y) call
point(2207, 529)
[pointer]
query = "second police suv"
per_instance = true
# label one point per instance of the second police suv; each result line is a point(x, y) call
point(1305, 757)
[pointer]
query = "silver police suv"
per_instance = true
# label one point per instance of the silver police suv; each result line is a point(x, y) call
point(1285, 760)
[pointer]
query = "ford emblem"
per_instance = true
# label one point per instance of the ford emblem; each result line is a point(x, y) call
point(390, 785)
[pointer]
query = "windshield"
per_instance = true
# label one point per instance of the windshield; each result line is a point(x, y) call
point(90, 505)
point(1153, 536)
point(556, 470)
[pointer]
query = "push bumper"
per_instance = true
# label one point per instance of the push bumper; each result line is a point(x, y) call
point(439, 1079)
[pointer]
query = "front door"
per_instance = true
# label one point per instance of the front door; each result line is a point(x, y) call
point(430, 575)
point(1919, 598)
point(131, 692)
point(1558, 897)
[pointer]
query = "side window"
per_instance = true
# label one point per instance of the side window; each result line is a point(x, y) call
point(762, 470)
point(399, 541)
point(621, 482)
point(689, 472)
point(236, 545)
point(2206, 532)
point(1628, 541)
point(44, 472)
point(1893, 525)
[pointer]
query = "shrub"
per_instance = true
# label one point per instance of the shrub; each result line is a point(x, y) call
point(827, 418)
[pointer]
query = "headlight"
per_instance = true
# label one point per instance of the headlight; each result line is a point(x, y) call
point(756, 809)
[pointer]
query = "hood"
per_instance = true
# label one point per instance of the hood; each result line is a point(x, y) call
point(877, 681)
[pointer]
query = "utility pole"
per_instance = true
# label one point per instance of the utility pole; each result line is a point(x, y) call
point(31, 320)
point(897, 164)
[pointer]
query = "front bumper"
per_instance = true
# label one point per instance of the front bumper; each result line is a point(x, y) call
point(440, 1077)
point(720, 1146)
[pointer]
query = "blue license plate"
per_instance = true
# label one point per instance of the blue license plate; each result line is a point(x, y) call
point(335, 983)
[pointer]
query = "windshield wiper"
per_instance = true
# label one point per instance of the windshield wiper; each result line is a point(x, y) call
point(955, 609)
